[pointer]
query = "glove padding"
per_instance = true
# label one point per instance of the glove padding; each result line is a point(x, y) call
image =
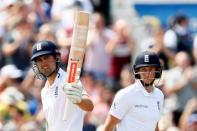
point(73, 92)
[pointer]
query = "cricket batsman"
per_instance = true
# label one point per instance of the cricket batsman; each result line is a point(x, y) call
point(138, 107)
point(46, 65)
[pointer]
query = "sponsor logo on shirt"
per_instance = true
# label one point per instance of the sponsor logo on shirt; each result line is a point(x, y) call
point(56, 91)
point(56, 88)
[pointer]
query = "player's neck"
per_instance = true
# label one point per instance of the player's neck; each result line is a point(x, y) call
point(149, 89)
point(51, 78)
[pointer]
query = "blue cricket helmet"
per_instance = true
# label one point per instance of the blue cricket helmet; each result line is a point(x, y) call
point(43, 48)
point(147, 59)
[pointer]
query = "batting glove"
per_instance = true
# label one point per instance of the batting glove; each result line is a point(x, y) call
point(73, 92)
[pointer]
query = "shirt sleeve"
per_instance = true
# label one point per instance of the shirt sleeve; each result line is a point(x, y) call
point(162, 105)
point(120, 105)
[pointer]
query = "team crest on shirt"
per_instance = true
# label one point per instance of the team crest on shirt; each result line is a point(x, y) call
point(114, 105)
point(158, 105)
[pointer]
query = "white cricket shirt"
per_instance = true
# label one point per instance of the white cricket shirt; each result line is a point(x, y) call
point(137, 109)
point(53, 100)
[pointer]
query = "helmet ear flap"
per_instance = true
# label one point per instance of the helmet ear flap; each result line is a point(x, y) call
point(38, 74)
point(158, 75)
point(137, 76)
point(57, 58)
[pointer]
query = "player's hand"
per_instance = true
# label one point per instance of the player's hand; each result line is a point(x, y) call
point(73, 92)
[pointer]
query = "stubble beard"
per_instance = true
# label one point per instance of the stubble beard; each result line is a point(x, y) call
point(148, 80)
point(46, 72)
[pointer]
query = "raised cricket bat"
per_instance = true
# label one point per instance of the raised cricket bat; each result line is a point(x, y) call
point(77, 51)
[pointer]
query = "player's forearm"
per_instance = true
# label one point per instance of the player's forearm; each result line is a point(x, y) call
point(86, 104)
point(157, 128)
point(110, 123)
point(108, 128)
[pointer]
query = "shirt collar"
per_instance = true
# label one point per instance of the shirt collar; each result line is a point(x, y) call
point(56, 78)
point(143, 90)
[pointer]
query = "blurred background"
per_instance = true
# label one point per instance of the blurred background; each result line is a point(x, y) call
point(118, 31)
